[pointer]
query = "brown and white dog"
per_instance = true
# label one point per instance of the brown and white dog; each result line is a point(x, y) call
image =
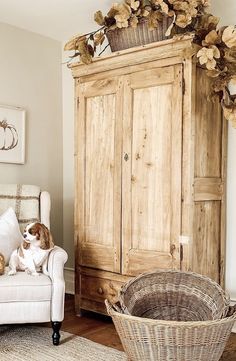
point(32, 254)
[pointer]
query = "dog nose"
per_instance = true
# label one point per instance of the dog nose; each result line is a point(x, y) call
point(25, 235)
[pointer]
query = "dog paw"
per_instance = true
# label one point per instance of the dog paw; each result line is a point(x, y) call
point(11, 273)
point(35, 274)
point(30, 272)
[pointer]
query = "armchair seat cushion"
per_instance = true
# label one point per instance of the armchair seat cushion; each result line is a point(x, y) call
point(25, 288)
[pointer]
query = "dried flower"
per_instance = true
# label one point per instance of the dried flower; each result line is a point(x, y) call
point(99, 18)
point(99, 38)
point(230, 114)
point(153, 19)
point(211, 38)
point(123, 13)
point(133, 21)
point(144, 13)
point(229, 55)
point(183, 20)
point(162, 5)
point(180, 5)
point(206, 3)
point(134, 4)
point(85, 51)
point(72, 44)
point(229, 106)
point(207, 56)
point(229, 36)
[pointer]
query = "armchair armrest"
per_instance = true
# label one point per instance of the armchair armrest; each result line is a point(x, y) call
point(56, 261)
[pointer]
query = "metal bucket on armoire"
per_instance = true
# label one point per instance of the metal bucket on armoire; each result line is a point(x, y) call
point(125, 38)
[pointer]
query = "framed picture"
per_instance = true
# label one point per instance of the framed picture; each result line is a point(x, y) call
point(12, 134)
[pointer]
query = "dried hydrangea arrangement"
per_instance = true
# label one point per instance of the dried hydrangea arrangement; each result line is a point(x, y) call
point(217, 46)
point(217, 54)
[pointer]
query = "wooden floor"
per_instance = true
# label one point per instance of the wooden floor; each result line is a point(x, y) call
point(91, 325)
point(100, 329)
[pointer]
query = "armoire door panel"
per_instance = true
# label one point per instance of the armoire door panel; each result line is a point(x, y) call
point(99, 147)
point(142, 261)
point(150, 197)
point(206, 240)
point(151, 191)
point(99, 166)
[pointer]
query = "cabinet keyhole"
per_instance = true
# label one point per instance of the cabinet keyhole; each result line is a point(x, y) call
point(126, 157)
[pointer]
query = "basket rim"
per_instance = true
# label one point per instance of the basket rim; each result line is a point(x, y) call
point(224, 293)
point(175, 324)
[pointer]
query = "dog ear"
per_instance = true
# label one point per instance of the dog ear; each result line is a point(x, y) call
point(26, 245)
point(2, 264)
point(46, 239)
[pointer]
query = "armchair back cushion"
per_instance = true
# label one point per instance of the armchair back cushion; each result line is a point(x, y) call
point(24, 199)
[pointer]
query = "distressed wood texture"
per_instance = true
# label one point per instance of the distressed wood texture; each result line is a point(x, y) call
point(139, 55)
point(151, 202)
point(150, 160)
point(209, 183)
point(96, 286)
point(99, 175)
point(207, 189)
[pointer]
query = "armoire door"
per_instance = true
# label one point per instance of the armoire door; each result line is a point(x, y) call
point(98, 216)
point(151, 171)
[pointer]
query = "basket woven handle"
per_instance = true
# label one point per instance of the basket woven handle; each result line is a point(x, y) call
point(231, 311)
point(113, 307)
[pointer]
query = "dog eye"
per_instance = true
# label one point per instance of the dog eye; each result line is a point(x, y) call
point(30, 231)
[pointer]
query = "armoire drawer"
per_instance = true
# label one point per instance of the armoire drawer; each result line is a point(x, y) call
point(99, 289)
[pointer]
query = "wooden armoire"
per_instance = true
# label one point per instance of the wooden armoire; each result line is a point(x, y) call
point(150, 157)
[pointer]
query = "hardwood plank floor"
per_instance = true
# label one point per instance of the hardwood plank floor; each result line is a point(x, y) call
point(100, 329)
point(95, 327)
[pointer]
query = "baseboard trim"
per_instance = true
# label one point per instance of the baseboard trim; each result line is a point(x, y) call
point(69, 274)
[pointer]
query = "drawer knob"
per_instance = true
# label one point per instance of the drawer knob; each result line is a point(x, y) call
point(100, 291)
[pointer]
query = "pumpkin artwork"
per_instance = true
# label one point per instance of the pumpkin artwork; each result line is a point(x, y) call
point(8, 136)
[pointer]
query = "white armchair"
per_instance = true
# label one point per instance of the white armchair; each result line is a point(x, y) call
point(25, 298)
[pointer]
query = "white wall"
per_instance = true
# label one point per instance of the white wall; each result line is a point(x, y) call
point(231, 211)
point(30, 77)
point(68, 162)
point(226, 10)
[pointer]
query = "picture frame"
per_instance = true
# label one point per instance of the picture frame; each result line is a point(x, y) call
point(12, 134)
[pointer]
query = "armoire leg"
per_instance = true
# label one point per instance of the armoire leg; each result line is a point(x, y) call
point(56, 334)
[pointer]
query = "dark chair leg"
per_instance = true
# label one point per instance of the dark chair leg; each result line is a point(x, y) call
point(56, 334)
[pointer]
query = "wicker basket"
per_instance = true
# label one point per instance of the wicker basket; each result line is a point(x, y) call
point(177, 316)
point(174, 295)
point(156, 340)
point(125, 38)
